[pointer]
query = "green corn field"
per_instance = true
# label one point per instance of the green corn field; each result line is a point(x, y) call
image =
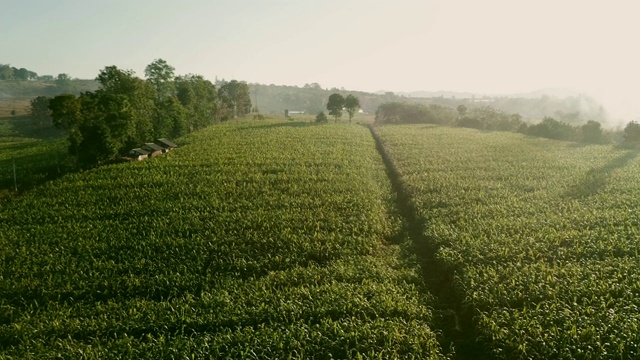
point(282, 239)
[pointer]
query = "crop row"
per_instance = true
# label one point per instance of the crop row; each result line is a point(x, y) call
point(252, 240)
point(542, 236)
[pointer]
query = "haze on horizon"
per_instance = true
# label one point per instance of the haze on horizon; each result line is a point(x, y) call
point(486, 47)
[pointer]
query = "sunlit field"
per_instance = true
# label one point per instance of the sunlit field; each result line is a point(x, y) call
point(252, 240)
point(540, 236)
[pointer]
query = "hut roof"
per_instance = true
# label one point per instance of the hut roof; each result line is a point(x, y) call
point(153, 147)
point(139, 151)
point(166, 143)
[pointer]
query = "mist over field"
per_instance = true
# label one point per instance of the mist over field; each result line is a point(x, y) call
point(336, 179)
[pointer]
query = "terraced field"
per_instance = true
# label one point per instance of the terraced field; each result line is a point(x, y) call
point(252, 240)
point(540, 237)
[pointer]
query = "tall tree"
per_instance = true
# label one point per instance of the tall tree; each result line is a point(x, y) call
point(198, 96)
point(140, 96)
point(160, 75)
point(100, 125)
point(352, 104)
point(632, 133)
point(40, 110)
point(171, 118)
point(63, 82)
point(235, 99)
point(21, 74)
point(592, 133)
point(335, 105)
point(6, 72)
point(66, 113)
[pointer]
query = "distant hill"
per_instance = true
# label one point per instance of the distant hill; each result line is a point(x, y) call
point(556, 92)
point(20, 89)
point(561, 103)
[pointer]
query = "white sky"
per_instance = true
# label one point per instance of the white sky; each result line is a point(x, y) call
point(484, 46)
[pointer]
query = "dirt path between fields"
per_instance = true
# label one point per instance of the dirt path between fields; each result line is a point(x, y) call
point(451, 317)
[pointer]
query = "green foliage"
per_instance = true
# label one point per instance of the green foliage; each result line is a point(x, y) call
point(553, 129)
point(632, 133)
point(462, 110)
point(352, 104)
point(541, 237)
point(335, 105)
point(269, 244)
point(39, 110)
point(402, 112)
point(8, 72)
point(198, 96)
point(321, 118)
point(488, 118)
point(592, 133)
point(171, 119)
point(160, 74)
point(235, 100)
point(63, 83)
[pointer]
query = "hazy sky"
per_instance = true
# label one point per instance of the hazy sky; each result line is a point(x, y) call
point(484, 46)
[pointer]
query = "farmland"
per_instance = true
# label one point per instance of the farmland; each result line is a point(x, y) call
point(38, 152)
point(540, 237)
point(284, 239)
point(252, 240)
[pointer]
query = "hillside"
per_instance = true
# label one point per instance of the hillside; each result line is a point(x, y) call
point(15, 95)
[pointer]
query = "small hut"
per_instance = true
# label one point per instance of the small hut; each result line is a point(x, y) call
point(153, 149)
point(138, 154)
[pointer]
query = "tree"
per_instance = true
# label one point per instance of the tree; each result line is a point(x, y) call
point(6, 72)
point(171, 118)
point(235, 99)
point(352, 104)
point(198, 96)
point(21, 74)
point(63, 82)
point(632, 133)
point(321, 118)
point(140, 96)
point(100, 125)
point(592, 133)
point(160, 75)
point(40, 110)
point(552, 129)
point(65, 111)
point(462, 111)
point(335, 105)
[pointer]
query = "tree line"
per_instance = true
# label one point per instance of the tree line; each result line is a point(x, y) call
point(127, 111)
point(488, 118)
point(336, 104)
point(8, 72)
